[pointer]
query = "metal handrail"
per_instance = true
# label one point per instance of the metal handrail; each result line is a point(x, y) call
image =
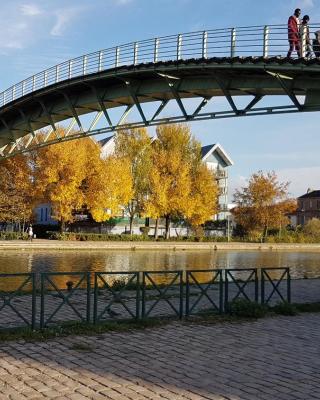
point(248, 41)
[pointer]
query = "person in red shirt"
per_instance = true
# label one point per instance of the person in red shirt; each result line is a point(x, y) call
point(293, 33)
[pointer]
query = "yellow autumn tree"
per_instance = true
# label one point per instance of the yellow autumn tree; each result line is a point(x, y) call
point(59, 174)
point(134, 145)
point(16, 190)
point(180, 186)
point(108, 187)
point(72, 176)
point(204, 196)
point(262, 204)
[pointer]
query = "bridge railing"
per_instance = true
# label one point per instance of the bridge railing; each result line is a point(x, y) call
point(254, 41)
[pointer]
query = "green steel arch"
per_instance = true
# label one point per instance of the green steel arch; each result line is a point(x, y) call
point(203, 65)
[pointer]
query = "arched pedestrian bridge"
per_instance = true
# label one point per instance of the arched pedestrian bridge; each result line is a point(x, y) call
point(212, 74)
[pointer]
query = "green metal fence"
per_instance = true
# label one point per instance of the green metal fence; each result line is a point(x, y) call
point(17, 290)
point(114, 290)
point(160, 293)
point(97, 297)
point(274, 290)
point(245, 284)
point(211, 291)
point(74, 299)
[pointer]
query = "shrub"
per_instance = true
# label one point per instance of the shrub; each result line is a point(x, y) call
point(247, 309)
point(13, 235)
point(285, 308)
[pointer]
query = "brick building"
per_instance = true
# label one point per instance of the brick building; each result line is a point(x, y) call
point(308, 207)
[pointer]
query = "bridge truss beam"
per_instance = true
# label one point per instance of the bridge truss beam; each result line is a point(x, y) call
point(203, 82)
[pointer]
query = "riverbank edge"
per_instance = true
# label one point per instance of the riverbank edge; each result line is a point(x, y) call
point(42, 244)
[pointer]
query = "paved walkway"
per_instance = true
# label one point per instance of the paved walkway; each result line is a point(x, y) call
point(271, 359)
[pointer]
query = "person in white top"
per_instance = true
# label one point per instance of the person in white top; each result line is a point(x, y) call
point(30, 233)
point(305, 35)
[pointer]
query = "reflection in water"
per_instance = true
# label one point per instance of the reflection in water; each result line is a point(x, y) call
point(302, 264)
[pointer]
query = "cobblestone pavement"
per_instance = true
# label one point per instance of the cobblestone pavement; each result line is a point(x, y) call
point(271, 359)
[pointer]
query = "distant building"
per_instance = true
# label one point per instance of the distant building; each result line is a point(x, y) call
point(308, 207)
point(218, 161)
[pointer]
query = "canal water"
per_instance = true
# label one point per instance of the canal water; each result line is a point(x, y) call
point(302, 264)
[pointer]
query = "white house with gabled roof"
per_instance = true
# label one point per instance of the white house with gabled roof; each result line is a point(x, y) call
point(218, 161)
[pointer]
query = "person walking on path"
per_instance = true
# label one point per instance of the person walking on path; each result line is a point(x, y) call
point(294, 33)
point(30, 233)
point(316, 44)
point(305, 35)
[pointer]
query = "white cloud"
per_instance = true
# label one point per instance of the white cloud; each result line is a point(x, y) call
point(30, 10)
point(64, 17)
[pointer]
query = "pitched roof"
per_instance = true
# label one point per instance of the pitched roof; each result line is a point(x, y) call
point(314, 193)
point(104, 141)
point(206, 151)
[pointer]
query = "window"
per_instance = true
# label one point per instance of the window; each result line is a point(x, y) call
point(310, 203)
point(46, 218)
point(318, 204)
point(41, 214)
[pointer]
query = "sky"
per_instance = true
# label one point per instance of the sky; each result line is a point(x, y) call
point(38, 34)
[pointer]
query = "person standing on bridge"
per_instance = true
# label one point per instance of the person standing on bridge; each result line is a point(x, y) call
point(316, 44)
point(305, 36)
point(294, 33)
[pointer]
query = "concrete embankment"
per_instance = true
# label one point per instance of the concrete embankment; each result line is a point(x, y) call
point(41, 244)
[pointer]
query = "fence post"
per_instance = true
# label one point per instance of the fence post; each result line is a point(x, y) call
point(70, 69)
point(303, 41)
point(187, 293)
point(100, 60)
point(95, 298)
point(143, 300)
point(57, 73)
point(204, 44)
point(156, 50)
point(34, 301)
point(226, 291)
point(84, 65)
point(179, 46)
point(181, 294)
point(262, 286)
point(266, 42)
point(233, 42)
point(138, 296)
point(220, 292)
point(42, 302)
point(117, 59)
point(289, 286)
point(135, 53)
point(88, 297)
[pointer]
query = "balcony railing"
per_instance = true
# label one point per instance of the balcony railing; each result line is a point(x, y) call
point(251, 41)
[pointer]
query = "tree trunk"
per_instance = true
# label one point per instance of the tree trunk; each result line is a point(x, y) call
point(62, 226)
point(131, 224)
point(168, 227)
point(156, 228)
